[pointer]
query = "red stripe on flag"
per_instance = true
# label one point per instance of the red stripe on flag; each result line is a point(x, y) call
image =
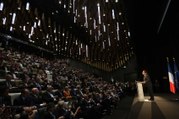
point(172, 87)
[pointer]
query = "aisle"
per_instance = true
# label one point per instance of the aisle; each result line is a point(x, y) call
point(123, 109)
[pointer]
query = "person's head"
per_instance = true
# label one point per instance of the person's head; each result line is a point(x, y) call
point(49, 88)
point(35, 90)
point(60, 104)
point(66, 88)
point(144, 72)
point(25, 92)
point(8, 77)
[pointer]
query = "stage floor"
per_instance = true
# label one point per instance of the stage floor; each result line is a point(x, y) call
point(165, 106)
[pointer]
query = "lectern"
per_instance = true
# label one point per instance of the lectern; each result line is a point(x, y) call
point(140, 91)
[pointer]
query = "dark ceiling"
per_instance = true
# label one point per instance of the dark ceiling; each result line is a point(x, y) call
point(145, 18)
point(154, 39)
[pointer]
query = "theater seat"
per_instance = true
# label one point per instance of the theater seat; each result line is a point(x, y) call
point(13, 96)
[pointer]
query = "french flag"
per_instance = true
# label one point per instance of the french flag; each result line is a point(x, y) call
point(171, 78)
point(176, 74)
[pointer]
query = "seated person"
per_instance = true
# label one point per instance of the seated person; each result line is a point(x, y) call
point(49, 114)
point(23, 99)
point(67, 93)
point(49, 96)
point(23, 104)
point(7, 83)
point(36, 97)
point(5, 99)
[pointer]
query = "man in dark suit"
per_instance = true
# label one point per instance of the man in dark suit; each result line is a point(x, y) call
point(5, 99)
point(22, 102)
point(36, 98)
point(49, 96)
point(23, 99)
point(8, 81)
point(148, 84)
point(49, 114)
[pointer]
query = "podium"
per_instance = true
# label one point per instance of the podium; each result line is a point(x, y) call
point(140, 91)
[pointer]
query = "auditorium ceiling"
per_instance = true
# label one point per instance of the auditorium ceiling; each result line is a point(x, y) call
point(95, 32)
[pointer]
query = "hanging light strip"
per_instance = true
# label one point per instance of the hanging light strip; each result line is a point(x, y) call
point(113, 14)
point(73, 6)
point(35, 25)
point(32, 30)
point(79, 51)
point(86, 17)
point(11, 28)
point(4, 21)
point(118, 38)
point(13, 18)
point(99, 13)
point(104, 27)
point(24, 28)
point(94, 23)
point(103, 45)
point(39, 22)
point(86, 50)
point(109, 41)
point(27, 6)
point(1, 6)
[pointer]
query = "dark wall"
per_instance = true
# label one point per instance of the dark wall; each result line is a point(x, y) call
point(88, 68)
point(127, 73)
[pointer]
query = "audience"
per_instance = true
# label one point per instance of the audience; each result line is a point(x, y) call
point(52, 89)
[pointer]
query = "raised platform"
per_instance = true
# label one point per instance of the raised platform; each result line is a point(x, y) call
point(165, 106)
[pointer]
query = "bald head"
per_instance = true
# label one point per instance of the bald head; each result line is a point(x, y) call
point(35, 90)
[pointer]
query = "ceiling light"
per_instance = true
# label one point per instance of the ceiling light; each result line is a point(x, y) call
point(27, 6)
point(1, 6)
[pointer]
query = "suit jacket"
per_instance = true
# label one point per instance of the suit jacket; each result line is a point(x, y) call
point(5, 100)
point(36, 100)
point(48, 97)
point(22, 101)
point(49, 115)
point(147, 80)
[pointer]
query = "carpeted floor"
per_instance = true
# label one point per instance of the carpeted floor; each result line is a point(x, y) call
point(123, 108)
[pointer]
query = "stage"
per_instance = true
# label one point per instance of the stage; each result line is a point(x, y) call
point(165, 106)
